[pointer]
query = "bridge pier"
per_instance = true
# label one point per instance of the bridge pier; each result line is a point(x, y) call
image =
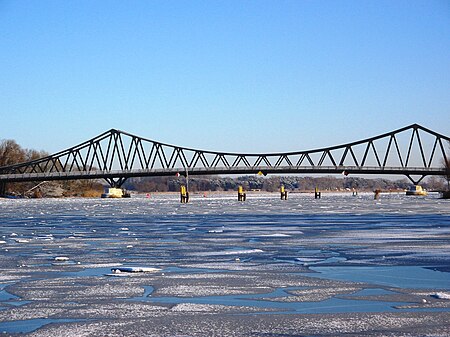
point(242, 196)
point(2, 188)
point(317, 193)
point(184, 195)
point(283, 193)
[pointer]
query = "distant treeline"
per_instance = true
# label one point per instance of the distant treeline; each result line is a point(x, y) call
point(272, 184)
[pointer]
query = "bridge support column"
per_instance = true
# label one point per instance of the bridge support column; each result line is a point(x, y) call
point(184, 194)
point(317, 193)
point(415, 182)
point(242, 196)
point(116, 182)
point(2, 188)
point(283, 193)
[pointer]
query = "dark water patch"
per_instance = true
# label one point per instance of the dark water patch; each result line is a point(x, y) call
point(443, 269)
point(396, 276)
point(8, 300)
point(30, 325)
point(16, 303)
point(148, 290)
point(333, 305)
point(5, 295)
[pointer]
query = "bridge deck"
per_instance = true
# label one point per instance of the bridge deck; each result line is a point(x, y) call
point(219, 170)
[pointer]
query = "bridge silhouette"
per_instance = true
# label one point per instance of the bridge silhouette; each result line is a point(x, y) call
point(413, 151)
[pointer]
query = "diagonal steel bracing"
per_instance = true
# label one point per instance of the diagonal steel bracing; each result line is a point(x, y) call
point(116, 155)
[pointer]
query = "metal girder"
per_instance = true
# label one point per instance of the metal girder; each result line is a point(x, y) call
point(116, 155)
point(115, 182)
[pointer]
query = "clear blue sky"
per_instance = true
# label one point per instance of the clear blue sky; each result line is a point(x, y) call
point(243, 76)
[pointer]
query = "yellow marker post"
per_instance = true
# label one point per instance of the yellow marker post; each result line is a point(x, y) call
point(184, 194)
point(283, 193)
point(241, 194)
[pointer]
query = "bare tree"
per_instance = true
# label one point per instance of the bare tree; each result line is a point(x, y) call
point(11, 153)
point(34, 154)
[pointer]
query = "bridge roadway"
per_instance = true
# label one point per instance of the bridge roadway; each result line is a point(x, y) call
point(219, 170)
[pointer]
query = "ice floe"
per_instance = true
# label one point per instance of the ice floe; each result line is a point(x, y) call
point(215, 231)
point(118, 270)
point(61, 258)
point(22, 240)
point(442, 295)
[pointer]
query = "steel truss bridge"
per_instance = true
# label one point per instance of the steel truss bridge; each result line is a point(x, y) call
point(413, 151)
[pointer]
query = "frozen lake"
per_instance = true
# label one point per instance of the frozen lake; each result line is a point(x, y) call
point(221, 259)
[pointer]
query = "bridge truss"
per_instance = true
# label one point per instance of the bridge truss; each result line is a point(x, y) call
point(413, 151)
